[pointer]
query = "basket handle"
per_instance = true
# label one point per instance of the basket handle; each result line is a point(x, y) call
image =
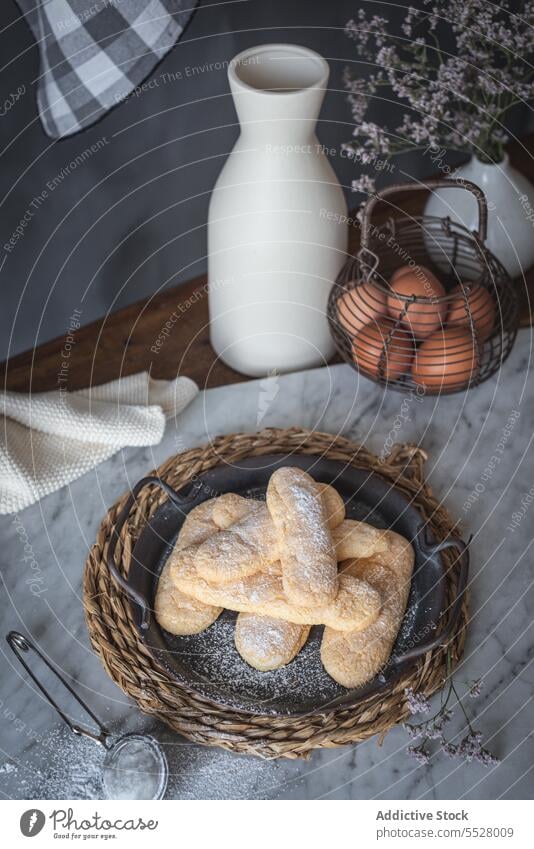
point(179, 500)
point(444, 636)
point(438, 183)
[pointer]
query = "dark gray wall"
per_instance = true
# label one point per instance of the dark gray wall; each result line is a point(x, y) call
point(131, 219)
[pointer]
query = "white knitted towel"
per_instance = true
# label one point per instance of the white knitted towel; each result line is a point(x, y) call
point(52, 438)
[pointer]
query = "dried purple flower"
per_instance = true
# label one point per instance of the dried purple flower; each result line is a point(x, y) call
point(420, 754)
point(471, 749)
point(474, 739)
point(446, 715)
point(417, 702)
point(449, 749)
point(470, 745)
point(475, 689)
point(431, 730)
point(434, 730)
point(486, 758)
point(413, 731)
point(456, 99)
point(364, 184)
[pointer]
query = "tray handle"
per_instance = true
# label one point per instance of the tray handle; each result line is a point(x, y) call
point(179, 500)
point(444, 636)
point(449, 183)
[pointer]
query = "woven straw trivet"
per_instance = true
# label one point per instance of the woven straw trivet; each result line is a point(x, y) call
point(114, 637)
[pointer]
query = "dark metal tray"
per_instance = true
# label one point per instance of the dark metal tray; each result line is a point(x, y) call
point(208, 663)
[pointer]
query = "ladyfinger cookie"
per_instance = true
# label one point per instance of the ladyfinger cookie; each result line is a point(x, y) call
point(252, 543)
point(353, 539)
point(179, 613)
point(354, 658)
point(355, 605)
point(307, 554)
point(267, 643)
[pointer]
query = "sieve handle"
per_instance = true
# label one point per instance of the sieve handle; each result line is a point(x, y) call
point(452, 183)
point(179, 500)
point(20, 644)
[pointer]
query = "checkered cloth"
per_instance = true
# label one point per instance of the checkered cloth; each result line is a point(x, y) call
point(95, 52)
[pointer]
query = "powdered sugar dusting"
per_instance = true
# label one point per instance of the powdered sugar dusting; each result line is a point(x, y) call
point(310, 515)
point(67, 767)
point(213, 657)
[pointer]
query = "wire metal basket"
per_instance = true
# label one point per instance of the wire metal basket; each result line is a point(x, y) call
point(443, 325)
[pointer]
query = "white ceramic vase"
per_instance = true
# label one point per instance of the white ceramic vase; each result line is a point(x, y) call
point(510, 199)
point(277, 226)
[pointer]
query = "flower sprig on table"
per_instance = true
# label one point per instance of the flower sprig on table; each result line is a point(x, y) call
point(457, 99)
point(470, 748)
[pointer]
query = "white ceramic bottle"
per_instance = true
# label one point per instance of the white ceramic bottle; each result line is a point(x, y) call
point(510, 199)
point(277, 229)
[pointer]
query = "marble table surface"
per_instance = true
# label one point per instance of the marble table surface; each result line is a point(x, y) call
point(480, 465)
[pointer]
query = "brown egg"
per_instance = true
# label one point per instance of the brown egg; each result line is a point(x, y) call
point(383, 350)
point(422, 317)
point(400, 272)
point(359, 306)
point(479, 303)
point(446, 360)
